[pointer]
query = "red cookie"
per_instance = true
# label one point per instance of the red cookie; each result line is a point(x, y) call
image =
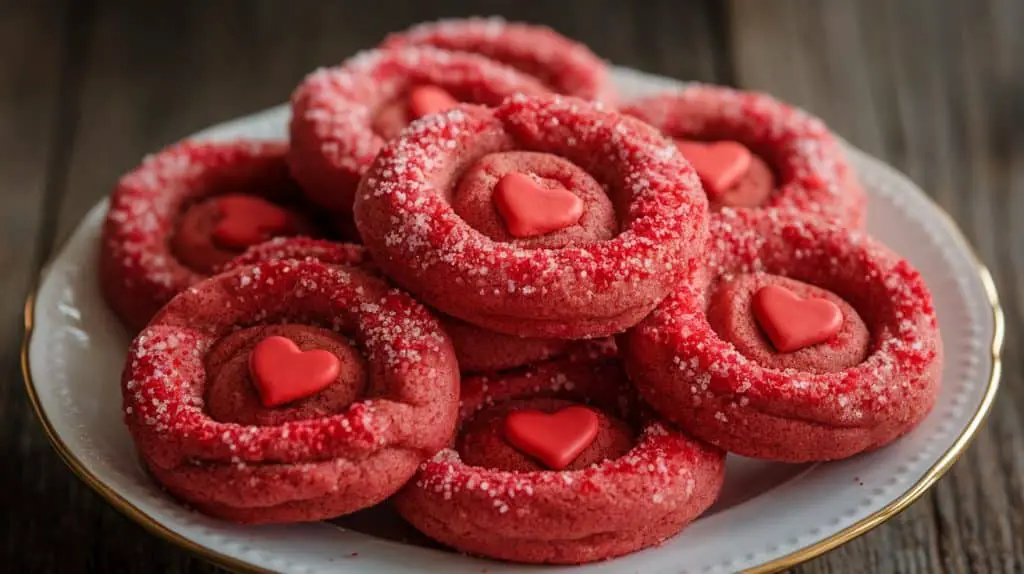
point(565, 66)
point(478, 350)
point(623, 482)
point(427, 212)
point(225, 426)
point(303, 249)
point(342, 116)
point(708, 357)
point(187, 210)
point(752, 150)
point(482, 351)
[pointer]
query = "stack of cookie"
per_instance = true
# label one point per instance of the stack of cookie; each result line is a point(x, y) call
point(533, 318)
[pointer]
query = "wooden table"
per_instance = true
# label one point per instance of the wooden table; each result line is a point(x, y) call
point(934, 87)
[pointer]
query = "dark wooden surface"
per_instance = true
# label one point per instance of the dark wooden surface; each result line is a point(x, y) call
point(933, 87)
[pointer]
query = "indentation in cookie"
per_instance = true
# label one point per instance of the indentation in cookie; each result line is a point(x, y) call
point(483, 441)
point(425, 100)
point(391, 117)
point(555, 439)
point(211, 232)
point(232, 395)
point(550, 218)
point(793, 322)
point(731, 314)
point(284, 373)
point(246, 220)
point(732, 174)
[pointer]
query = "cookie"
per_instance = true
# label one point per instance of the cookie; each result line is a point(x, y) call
point(805, 342)
point(289, 391)
point(753, 151)
point(544, 217)
point(559, 463)
point(478, 350)
point(342, 116)
point(187, 210)
point(565, 66)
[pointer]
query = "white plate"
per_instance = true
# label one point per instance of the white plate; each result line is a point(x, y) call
point(769, 516)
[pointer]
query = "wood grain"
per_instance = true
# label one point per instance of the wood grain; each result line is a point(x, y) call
point(935, 88)
point(932, 92)
point(34, 73)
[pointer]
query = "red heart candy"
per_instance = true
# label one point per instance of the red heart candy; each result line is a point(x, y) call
point(530, 209)
point(426, 100)
point(792, 322)
point(719, 164)
point(554, 439)
point(284, 373)
point(246, 220)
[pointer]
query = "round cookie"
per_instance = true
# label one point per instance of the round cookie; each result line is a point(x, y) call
point(289, 391)
point(186, 211)
point(559, 464)
point(753, 151)
point(342, 116)
point(482, 351)
point(804, 342)
point(504, 217)
point(732, 316)
point(565, 66)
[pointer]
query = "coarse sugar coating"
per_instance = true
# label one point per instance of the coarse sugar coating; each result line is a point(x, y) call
point(482, 441)
point(473, 199)
point(209, 440)
point(570, 288)
point(565, 66)
point(821, 403)
point(641, 484)
point(808, 168)
point(303, 249)
point(342, 116)
point(232, 397)
point(478, 350)
point(185, 211)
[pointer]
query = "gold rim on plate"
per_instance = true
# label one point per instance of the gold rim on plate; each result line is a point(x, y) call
point(818, 548)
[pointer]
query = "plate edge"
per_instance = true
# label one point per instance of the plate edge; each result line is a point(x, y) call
point(948, 458)
point(120, 503)
point(898, 505)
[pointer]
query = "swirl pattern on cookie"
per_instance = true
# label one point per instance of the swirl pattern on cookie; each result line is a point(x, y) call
point(614, 216)
point(628, 481)
point(753, 151)
point(806, 341)
point(213, 402)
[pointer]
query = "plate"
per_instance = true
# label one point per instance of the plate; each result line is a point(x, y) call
point(769, 516)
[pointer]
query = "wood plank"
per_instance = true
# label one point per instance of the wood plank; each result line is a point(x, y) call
point(36, 85)
point(28, 106)
point(936, 92)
